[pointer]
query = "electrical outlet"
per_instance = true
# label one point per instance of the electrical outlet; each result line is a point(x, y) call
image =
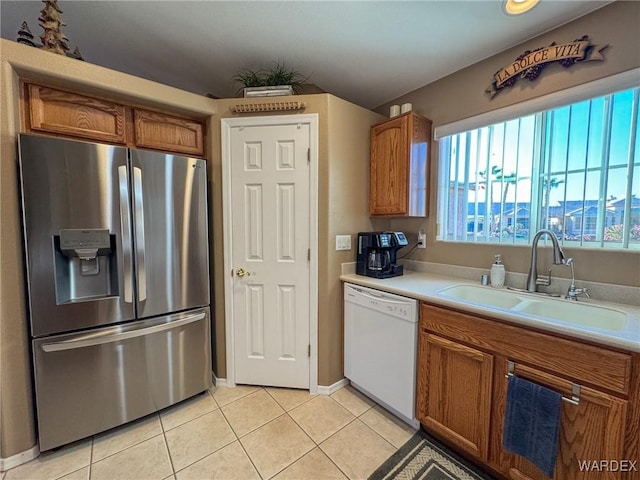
point(422, 239)
point(343, 242)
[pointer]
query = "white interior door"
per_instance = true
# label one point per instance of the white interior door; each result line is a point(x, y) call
point(270, 244)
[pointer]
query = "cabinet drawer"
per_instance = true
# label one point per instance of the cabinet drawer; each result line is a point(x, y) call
point(168, 133)
point(56, 111)
point(578, 361)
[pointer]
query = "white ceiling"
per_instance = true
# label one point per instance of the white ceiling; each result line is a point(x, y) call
point(363, 51)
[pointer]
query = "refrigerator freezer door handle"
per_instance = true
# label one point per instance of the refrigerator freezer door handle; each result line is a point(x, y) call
point(91, 340)
point(139, 229)
point(125, 226)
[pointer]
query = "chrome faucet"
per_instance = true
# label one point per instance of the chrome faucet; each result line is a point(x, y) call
point(573, 292)
point(558, 259)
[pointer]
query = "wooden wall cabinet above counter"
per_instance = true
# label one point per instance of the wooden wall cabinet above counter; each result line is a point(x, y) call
point(51, 111)
point(400, 151)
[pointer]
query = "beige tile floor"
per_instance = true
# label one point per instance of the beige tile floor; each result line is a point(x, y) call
point(239, 433)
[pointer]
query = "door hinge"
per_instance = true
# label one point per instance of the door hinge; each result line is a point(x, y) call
point(308, 255)
point(308, 155)
point(309, 350)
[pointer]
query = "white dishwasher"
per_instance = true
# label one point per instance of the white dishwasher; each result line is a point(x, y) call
point(380, 344)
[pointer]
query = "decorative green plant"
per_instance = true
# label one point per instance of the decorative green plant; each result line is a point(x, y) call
point(277, 74)
point(249, 78)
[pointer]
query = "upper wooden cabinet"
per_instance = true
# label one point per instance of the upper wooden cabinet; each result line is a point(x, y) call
point(164, 132)
point(56, 111)
point(399, 166)
point(51, 111)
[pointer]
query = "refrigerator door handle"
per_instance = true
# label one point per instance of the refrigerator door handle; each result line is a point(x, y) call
point(91, 340)
point(139, 229)
point(125, 226)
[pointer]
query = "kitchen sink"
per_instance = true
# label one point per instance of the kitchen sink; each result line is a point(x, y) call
point(482, 296)
point(575, 313)
point(550, 309)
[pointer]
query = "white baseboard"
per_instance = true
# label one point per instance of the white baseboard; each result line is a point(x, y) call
point(218, 382)
point(18, 458)
point(328, 390)
point(322, 390)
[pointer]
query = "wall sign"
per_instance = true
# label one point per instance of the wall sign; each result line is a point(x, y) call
point(530, 64)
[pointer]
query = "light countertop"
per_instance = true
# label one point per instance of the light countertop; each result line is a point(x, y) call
point(425, 286)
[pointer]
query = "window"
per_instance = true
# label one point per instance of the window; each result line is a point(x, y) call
point(574, 170)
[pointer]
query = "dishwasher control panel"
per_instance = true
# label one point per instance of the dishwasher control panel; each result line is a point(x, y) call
point(391, 304)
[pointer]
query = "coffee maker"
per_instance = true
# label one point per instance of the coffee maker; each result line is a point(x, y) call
point(377, 254)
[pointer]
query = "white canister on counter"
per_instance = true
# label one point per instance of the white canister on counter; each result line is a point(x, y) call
point(394, 111)
point(497, 273)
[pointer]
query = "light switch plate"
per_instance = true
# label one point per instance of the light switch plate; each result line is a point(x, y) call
point(343, 242)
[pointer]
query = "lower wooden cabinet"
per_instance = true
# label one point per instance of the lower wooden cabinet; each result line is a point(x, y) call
point(463, 363)
point(592, 430)
point(454, 394)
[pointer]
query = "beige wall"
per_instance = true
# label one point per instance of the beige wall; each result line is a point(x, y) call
point(344, 195)
point(16, 408)
point(17, 427)
point(343, 189)
point(461, 95)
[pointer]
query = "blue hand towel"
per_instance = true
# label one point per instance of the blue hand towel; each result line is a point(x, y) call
point(532, 423)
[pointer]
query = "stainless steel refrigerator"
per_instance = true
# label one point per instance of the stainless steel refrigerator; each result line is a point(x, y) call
point(116, 244)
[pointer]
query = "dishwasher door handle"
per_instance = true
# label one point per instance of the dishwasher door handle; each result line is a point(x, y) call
point(382, 296)
point(368, 292)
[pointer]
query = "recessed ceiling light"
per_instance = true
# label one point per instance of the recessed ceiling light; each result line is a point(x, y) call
point(516, 7)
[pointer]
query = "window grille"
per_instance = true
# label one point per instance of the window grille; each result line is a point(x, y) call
point(574, 170)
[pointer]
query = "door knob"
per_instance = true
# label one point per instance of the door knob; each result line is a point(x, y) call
point(241, 272)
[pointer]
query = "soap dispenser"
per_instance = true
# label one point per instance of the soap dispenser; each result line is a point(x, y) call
point(497, 273)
